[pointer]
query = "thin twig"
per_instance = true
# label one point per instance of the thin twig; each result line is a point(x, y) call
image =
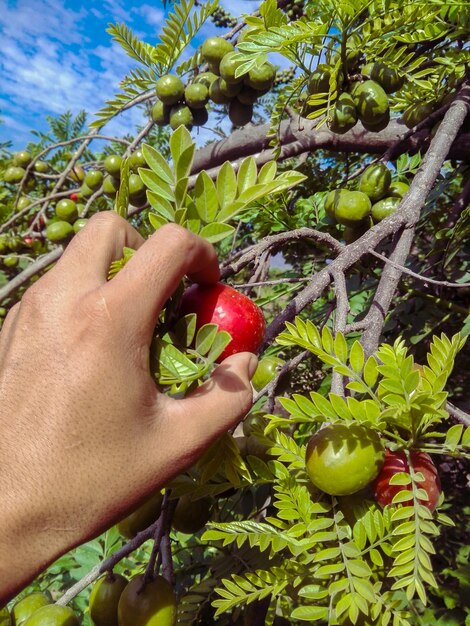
point(342, 309)
point(457, 414)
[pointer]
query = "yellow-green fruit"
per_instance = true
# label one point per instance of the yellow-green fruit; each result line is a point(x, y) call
point(201, 116)
point(352, 207)
point(341, 459)
point(417, 113)
point(216, 94)
point(66, 210)
point(248, 95)
point(371, 102)
point(384, 208)
point(5, 618)
point(252, 422)
point(136, 185)
point(387, 77)
point(215, 48)
point(379, 123)
point(344, 115)
point(137, 160)
point(397, 189)
point(58, 231)
point(110, 186)
point(41, 167)
point(169, 89)
point(77, 174)
point(11, 260)
point(112, 164)
point(319, 81)
point(191, 515)
point(22, 158)
point(142, 517)
point(79, 224)
point(181, 115)
point(239, 113)
point(206, 78)
point(375, 181)
point(252, 446)
point(104, 599)
point(261, 77)
point(160, 113)
point(23, 202)
point(93, 179)
point(228, 67)
point(13, 174)
point(332, 199)
point(196, 95)
point(27, 606)
point(153, 605)
point(85, 191)
point(267, 369)
point(230, 90)
point(53, 615)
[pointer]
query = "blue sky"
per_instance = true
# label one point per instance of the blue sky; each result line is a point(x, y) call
point(56, 56)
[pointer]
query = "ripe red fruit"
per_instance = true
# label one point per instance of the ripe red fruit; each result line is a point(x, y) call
point(74, 197)
point(28, 240)
point(231, 310)
point(396, 462)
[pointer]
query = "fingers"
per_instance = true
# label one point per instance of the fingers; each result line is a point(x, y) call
point(198, 420)
point(140, 290)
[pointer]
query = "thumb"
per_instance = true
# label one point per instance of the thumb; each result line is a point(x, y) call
point(217, 405)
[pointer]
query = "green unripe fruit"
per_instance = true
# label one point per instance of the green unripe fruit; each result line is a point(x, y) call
point(319, 81)
point(248, 95)
point(23, 202)
point(22, 158)
point(384, 208)
point(344, 115)
point(85, 191)
point(353, 51)
point(136, 185)
point(160, 113)
point(267, 369)
point(228, 67)
point(417, 113)
point(3, 612)
point(371, 102)
point(53, 615)
point(181, 115)
point(387, 77)
point(201, 117)
point(379, 123)
point(142, 517)
point(66, 210)
point(152, 605)
point(41, 167)
point(240, 114)
point(196, 95)
point(93, 179)
point(11, 260)
point(137, 160)
point(13, 174)
point(397, 189)
point(191, 515)
point(215, 48)
point(332, 200)
point(58, 231)
point(375, 181)
point(110, 186)
point(352, 207)
point(261, 78)
point(25, 607)
point(77, 174)
point(104, 599)
point(169, 89)
point(79, 224)
point(112, 164)
point(230, 90)
point(206, 78)
point(216, 94)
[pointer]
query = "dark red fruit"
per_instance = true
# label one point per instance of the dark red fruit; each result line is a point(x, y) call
point(74, 197)
point(396, 462)
point(231, 311)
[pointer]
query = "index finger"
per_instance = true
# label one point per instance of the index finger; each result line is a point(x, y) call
point(142, 287)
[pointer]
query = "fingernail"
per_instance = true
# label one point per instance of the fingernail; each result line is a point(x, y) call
point(252, 365)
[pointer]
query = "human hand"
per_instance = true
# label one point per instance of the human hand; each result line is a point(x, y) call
point(84, 433)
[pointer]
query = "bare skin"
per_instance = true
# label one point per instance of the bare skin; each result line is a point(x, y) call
point(84, 433)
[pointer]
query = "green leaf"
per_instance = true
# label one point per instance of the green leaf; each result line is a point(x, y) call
point(356, 357)
point(185, 162)
point(247, 174)
point(370, 372)
point(161, 205)
point(268, 172)
point(205, 338)
point(180, 141)
point(216, 232)
point(310, 613)
point(153, 182)
point(158, 164)
point(122, 200)
point(205, 197)
point(226, 185)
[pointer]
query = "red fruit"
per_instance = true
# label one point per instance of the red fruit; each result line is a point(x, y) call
point(28, 240)
point(74, 197)
point(231, 311)
point(396, 462)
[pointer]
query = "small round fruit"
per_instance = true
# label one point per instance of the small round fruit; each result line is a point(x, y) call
point(85, 191)
point(142, 517)
point(371, 102)
point(154, 605)
point(169, 88)
point(110, 186)
point(104, 599)
point(352, 207)
point(383, 208)
point(342, 459)
point(136, 185)
point(66, 210)
point(25, 607)
point(77, 174)
point(137, 160)
point(23, 202)
point(344, 114)
point(22, 158)
point(240, 114)
point(181, 115)
point(261, 77)
point(216, 94)
point(231, 311)
point(160, 113)
point(53, 615)
point(191, 515)
point(254, 421)
point(375, 181)
point(387, 77)
point(112, 164)
point(214, 49)
point(11, 260)
point(228, 67)
point(74, 196)
point(41, 167)
point(319, 81)
point(79, 224)
point(378, 124)
point(3, 313)
point(332, 200)
point(353, 233)
point(397, 189)
point(201, 116)
point(397, 462)
point(196, 95)
point(13, 174)
point(93, 179)
point(230, 90)
point(267, 369)
point(252, 446)
point(206, 78)
point(58, 231)
point(248, 95)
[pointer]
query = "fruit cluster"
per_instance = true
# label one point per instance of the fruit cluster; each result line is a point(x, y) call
point(284, 76)
point(222, 18)
point(178, 104)
point(295, 9)
point(16, 171)
point(376, 197)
